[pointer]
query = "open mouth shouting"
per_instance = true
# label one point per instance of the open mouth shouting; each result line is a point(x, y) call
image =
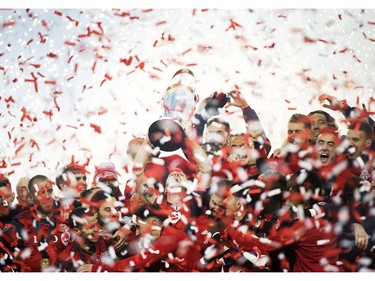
point(324, 157)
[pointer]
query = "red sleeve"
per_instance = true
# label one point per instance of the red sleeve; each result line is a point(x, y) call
point(165, 244)
point(248, 241)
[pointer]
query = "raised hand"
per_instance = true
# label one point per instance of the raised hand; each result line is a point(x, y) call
point(333, 102)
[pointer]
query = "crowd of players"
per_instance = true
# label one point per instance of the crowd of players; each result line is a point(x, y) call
point(226, 203)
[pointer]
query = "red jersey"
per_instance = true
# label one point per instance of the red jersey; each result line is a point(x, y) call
point(73, 256)
point(315, 244)
point(39, 241)
point(173, 246)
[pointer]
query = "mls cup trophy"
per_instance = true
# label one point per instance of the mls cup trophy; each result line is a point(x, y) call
point(178, 104)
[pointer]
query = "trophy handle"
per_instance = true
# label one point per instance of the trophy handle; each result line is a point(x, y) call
point(176, 85)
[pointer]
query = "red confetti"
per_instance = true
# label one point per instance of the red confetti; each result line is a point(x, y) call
point(44, 24)
point(69, 43)
point(35, 65)
point(51, 82)
point(102, 111)
point(57, 106)
point(101, 84)
point(127, 61)
point(51, 55)
point(3, 164)
point(158, 69)
point(30, 41)
point(233, 25)
point(9, 23)
point(58, 13)
point(161, 22)
point(107, 76)
point(356, 58)
point(33, 81)
point(308, 40)
point(164, 63)
point(34, 143)
point(185, 52)
point(70, 58)
point(141, 65)
point(371, 22)
point(170, 38)
point(40, 74)
point(123, 14)
point(69, 18)
point(19, 148)
point(96, 128)
point(48, 113)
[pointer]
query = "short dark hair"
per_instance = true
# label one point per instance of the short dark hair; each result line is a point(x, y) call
point(330, 120)
point(4, 181)
point(219, 120)
point(33, 180)
point(300, 118)
point(98, 198)
point(77, 214)
point(332, 131)
point(362, 126)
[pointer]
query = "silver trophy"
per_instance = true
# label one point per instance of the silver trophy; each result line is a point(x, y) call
point(178, 104)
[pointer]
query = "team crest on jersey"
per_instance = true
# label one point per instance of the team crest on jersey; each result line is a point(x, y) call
point(175, 217)
point(365, 175)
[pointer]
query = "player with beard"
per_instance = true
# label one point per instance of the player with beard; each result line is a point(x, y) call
point(25, 200)
point(319, 120)
point(360, 137)
point(345, 193)
point(295, 153)
point(87, 246)
point(71, 181)
point(173, 247)
point(7, 209)
point(33, 238)
point(106, 177)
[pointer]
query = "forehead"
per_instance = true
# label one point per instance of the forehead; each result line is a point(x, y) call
point(356, 133)
point(216, 198)
point(318, 117)
point(4, 190)
point(90, 219)
point(296, 126)
point(135, 142)
point(45, 184)
point(327, 138)
point(77, 172)
point(109, 202)
point(216, 126)
point(238, 139)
